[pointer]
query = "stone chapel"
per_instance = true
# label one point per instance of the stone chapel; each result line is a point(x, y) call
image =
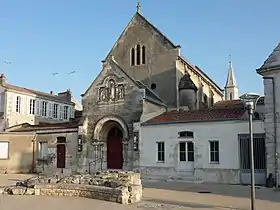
point(142, 76)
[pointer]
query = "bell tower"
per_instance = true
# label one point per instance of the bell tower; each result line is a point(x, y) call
point(231, 89)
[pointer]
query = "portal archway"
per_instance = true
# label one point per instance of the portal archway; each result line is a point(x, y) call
point(113, 132)
point(114, 149)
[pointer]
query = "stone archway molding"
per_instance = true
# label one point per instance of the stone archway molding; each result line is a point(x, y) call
point(100, 124)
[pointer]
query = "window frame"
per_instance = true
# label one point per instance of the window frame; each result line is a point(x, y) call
point(18, 104)
point(65, 112)
point(55, 111)
point(216, 159)
point(8, 152)
point(32, 106)
point(44, 108)
point(160, 152)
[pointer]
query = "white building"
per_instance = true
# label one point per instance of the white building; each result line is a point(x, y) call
point(21, 105)
point(270, 70)
point(204, 145)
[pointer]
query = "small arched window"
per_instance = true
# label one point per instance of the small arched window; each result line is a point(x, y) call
point(186, 134)
point(138, 54)
point(143, 54)
point(132, 54)
point(18, 104)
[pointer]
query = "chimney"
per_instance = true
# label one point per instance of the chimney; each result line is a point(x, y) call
point(67, 95)
point(2, 79)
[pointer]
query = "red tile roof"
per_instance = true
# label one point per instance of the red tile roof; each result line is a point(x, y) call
point(224, 110)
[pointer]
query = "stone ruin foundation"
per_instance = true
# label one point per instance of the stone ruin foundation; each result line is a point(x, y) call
point(116, 186)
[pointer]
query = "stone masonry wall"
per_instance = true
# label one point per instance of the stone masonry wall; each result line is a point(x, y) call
point(120, 187)
point(269, 126)
point(129, 110)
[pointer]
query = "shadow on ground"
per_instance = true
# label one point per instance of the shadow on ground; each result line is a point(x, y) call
point(186, 204)
point(262, 193)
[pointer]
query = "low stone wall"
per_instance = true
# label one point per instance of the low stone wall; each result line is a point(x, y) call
point(123, 195)
point(120, 187)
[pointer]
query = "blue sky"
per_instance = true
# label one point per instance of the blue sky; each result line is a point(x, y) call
point(42, 37)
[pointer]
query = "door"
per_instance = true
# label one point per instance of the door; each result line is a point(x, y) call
point(259, 158)
point(114, 149)
point(186, 157)
point(60, 153)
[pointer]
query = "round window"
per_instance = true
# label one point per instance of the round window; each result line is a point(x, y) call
point(153, 86)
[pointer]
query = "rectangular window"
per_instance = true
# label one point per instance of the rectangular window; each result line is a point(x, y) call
point(55, 109)
point(18, 103)
point(4, 150)
point(44, 108)
point(160, 151)
point(65, 112)
point(43, 149)
point(214, 151)
point(32, 106)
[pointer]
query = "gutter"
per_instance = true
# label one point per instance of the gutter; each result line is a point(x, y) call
point(189, 121)
point(274, 128)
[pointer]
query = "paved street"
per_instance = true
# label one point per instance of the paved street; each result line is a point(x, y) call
point(157, 195)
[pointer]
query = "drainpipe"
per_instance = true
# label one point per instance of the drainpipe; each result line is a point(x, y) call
point(275, 127)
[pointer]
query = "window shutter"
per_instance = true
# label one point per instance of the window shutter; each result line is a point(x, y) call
point(60, 111)
point(50, 109)
point(37, 104)
point(41, 108)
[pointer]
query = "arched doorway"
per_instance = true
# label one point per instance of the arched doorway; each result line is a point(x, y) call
point(114, 149)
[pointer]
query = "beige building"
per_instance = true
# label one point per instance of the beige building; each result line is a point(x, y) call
point(16, 152)
point(22, 105)
point(48, 148)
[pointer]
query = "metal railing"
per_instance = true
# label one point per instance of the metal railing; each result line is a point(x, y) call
point(99, 160)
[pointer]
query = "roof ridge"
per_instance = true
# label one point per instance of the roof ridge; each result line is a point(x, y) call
point(195, 67)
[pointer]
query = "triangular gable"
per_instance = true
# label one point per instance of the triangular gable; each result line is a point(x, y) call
point(151, 95)
point(138, 16)
point(113, 64)
point(273, 60)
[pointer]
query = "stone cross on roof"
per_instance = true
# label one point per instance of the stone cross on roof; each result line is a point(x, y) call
point(138, 7)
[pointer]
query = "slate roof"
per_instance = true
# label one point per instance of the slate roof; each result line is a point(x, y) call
point(231, 81)
point(186, 83)
point(149, 92)
point(272, 62)
point(221, 111)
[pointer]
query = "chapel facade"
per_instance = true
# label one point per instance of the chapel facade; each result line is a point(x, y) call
point(142, 76)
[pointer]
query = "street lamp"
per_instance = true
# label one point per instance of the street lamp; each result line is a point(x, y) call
point(251, 101)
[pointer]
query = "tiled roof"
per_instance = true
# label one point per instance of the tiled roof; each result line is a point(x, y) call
point(224, 110)
point(25, 127)
point(38, 93)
